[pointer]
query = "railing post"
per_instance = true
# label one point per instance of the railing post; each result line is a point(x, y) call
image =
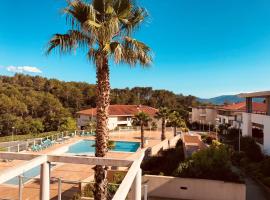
point(137, 186)
point(145, 192)
point(59, 188)
point(18, 148)
point(20, 187)
point(45, 181)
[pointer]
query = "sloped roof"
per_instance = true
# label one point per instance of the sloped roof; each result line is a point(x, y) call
point(122, 110)
point(241, 107)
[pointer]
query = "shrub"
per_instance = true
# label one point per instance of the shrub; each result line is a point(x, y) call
point(207, 139)
point(265, 167)
point(164, 163)
point(237, 157)
point(266, 181)
point(211, 163)
point(251, 148)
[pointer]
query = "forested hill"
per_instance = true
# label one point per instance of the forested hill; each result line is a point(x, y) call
point(33, 104)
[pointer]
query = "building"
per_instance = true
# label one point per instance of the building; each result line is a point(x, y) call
point(253, 121)
point(120, 116)
point(232, 114)
point(203, 115)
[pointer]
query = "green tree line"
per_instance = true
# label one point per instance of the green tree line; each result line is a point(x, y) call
point(33, 104)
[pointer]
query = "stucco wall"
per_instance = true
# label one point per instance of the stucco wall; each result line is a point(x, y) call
point(195, 189)
point(209, 114)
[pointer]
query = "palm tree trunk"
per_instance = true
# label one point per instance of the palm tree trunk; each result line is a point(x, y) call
point(102, 101)
point(163, 130)
point(142, 136)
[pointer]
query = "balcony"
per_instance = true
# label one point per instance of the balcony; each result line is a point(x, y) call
point(130, 186)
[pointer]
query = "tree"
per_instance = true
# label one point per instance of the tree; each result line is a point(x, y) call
point(103, 28)
point(163, 114)
point(142, 119)
point(68, 124)
point(175, 121)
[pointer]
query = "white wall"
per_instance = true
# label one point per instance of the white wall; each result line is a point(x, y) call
point(195, 189)
point(264, 120)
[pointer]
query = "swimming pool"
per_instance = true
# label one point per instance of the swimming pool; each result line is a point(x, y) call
point(30, 173)
point(86, 146)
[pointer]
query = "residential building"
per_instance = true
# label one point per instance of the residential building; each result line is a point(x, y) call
point(253, 121)
point(203, 115)
point(232, 114)
point(120, 116)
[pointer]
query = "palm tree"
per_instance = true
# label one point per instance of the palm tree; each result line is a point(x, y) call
point(103, 29)
point(142, 119)
point(163, 114)
point(176, 121)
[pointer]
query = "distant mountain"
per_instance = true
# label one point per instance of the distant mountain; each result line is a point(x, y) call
point(219, 100)
point(222, 99)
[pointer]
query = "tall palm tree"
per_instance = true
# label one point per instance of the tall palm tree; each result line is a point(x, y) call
point(103, 29)
point(176, 121)
point(163, 114)
point(142, 119)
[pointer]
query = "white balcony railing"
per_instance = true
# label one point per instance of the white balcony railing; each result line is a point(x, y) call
point(132, 180)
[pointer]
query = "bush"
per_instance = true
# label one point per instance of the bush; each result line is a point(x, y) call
point(207, 139)
point(265, 167)
point(237, 158)
point(211, 163)
point(266, 181)
point(166, 162)
point(251, 148)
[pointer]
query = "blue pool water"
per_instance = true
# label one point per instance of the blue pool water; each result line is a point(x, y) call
point(30, 173)
point(86, 146)
point(34, 172)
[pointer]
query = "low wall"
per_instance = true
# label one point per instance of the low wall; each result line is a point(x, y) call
point(195, 189)
point(165, 144)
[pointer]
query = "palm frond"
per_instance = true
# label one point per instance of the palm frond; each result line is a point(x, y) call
point(78, 12)
point(135, 51)
point(68, 42)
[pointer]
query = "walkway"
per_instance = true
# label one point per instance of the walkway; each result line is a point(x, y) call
point(255, 191)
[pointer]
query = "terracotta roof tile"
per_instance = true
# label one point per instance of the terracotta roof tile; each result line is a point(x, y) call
point(256, 107)
point(122, 110)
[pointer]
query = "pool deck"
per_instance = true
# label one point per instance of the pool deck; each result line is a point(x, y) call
point(73, 172)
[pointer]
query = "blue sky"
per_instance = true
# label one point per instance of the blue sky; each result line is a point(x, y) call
point(204, 48)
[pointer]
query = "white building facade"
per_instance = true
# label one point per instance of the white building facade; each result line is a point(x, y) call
point(262, 120)
point(120, 116)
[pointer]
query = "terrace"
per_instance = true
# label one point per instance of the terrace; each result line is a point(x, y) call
point(70, 173)
point(131, 181)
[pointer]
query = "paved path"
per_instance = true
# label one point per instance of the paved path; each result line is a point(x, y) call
point(255, 190)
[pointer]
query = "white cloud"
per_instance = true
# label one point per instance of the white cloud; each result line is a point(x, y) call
point(23, 69)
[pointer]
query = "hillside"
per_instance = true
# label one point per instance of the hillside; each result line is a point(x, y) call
point(219, 100)
point(33, 104)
